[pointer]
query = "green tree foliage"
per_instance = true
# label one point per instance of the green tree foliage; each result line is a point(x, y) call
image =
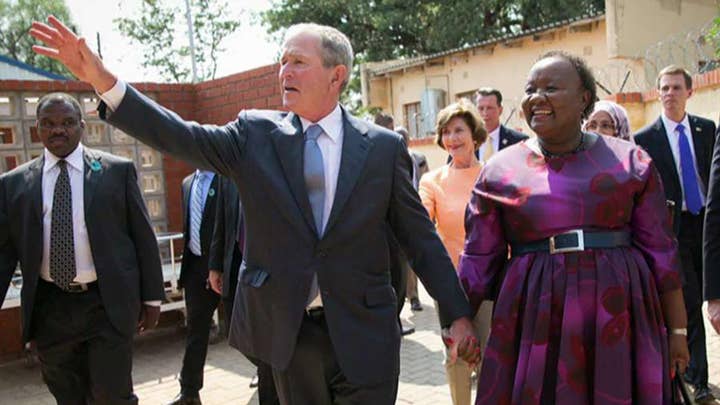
point(16, 16)
point(160, 30)
point(386, 29)
point(389, 29)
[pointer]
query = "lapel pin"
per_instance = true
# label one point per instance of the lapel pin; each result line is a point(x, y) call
point(211, 192)
point(95, 165)
point(504, 141)
point(698, 129)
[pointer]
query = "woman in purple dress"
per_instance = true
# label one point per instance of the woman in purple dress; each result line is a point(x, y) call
point(588, 307)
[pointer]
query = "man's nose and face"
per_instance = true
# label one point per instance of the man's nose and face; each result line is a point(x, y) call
point(674, 94)
point(490, 111)
point(309, 88)
point(60, 127)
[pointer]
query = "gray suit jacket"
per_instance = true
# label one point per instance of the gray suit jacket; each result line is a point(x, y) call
point(262, 153)
point(122, 241)
point(200, 272)
point(225, 254)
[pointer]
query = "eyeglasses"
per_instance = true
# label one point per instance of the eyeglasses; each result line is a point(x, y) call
point(67, 124)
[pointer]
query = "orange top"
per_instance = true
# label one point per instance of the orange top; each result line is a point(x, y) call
point(445, 192)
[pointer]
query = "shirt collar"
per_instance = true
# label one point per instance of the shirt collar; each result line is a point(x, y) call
point(671, 126)
point(495, 134)
point(205, 173)
point(74, 159)
point(331, 124)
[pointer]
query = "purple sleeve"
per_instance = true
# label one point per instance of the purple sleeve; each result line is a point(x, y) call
point(651, 225)
point(485, 251)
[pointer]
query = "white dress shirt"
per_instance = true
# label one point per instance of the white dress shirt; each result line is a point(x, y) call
point(673, 137)
point(83, 255)
point(494, 138)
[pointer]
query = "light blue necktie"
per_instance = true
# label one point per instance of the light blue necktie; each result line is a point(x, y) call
point(689, 179)
point(196, 214)
point(314, 173)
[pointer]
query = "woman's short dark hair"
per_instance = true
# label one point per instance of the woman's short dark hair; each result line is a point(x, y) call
point(467, 111)
point(587, 78)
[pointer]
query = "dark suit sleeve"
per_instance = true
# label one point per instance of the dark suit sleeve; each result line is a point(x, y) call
point(8, 255)
point(203, 146)
point(146, 247)
point(217, 246)
point(416, 234)
point(711, 237)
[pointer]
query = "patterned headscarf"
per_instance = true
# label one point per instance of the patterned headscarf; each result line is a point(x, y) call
point(619, 116)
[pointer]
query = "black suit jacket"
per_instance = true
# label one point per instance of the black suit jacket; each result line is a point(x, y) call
point(225, 255)
point(123, 244)
point(206, 230)
point(509, 136)
point(711, 232)
point(654, 140)
point(262, 151)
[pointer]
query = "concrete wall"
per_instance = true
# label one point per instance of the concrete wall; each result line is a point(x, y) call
point(635, 25)
point(504, 66)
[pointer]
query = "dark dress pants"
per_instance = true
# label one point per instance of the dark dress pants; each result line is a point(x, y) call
point(690, 247)
point(266, 387)
point(200, 304)
point(314, 376)
point(83, 358)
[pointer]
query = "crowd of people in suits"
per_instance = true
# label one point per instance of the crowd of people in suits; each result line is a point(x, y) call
point(569, 267)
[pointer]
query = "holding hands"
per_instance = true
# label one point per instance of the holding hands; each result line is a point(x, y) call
point(462, 342)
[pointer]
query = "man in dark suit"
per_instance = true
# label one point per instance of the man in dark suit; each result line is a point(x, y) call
point(320, 189)
point(711, 241)
point(76, 222)
point(489, 104)
point(198, 204)
point(225, 258)
point(420, 167)
point(681, 146)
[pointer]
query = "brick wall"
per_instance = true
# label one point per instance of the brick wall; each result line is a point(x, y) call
point(213, 102)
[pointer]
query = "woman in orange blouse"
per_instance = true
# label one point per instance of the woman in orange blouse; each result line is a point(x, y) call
point(445, 192)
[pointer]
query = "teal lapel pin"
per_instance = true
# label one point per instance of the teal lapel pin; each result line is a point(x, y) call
point(211, 192)
point(95, 165)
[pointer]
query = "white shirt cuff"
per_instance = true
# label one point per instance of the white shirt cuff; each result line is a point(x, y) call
point(153, 303)
point(115, 95)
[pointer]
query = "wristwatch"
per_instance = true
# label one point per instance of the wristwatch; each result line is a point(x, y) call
point(679, 331)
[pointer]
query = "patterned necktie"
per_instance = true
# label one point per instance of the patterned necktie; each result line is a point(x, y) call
point(314, 173)
point(196, 214)
point(62, 241)
point(689, 180)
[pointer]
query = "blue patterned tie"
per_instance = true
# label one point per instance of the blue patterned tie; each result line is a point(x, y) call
point(62, 240)
point(196, 214)
point(314, 173)
point(689, 179)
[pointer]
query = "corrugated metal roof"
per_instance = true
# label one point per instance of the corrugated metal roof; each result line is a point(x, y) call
point(379, 68)
point(31, 71)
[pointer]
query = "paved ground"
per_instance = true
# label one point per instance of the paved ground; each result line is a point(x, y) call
point(227, 373)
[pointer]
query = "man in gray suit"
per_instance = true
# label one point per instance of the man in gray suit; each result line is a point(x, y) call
point(75, 220)
point(320, 190)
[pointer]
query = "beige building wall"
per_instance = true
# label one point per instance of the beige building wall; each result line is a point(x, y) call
point(504, 66)
point(635, 25)
point(705, 102)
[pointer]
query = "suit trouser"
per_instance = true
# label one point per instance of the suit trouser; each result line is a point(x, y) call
point(200, 304)
point(76, 342)
point(459, 373)
point(314, 376)
point(690, 248)
point(412, 285)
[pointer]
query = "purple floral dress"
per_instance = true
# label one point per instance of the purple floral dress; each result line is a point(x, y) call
point(574, 328)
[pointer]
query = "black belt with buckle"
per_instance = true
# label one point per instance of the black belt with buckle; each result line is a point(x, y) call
point(80, 287)
point(315, 314)
point(576, 240)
